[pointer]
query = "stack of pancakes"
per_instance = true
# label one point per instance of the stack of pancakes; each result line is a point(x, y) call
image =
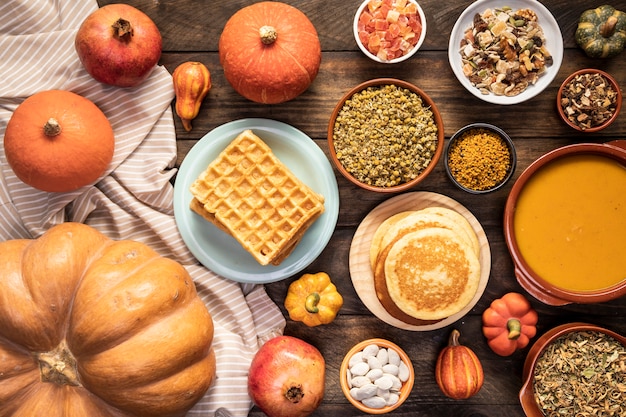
point(426, 264)
point(251, 195)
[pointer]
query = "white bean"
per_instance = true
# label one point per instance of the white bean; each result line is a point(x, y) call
point(374, 374)
point(360, 369)
point(403, 372)
point(384, 382)
point(356, 358)
point(383, 356)
point(374, 362)
point(370, 350)
point(367, 391)
point(359, 381)
point(393, 399)
point(394, 358)
point(390, 369)
point(375, 402)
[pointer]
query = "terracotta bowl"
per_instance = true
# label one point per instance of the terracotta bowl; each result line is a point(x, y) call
point(406, 386)
point(374, 57)
point(488, 127)
point(535, 284)
point(608, 121)
point(526, 394)
point(427, 103)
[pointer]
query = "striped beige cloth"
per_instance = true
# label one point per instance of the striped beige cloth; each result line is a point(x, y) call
point(133, 200)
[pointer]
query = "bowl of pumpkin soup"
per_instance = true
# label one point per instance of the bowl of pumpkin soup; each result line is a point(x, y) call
point(565, 224)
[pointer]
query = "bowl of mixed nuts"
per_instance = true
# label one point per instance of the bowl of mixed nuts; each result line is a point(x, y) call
point(589, 100)
point(385, 135)
point(575, 366)
point(480, 158)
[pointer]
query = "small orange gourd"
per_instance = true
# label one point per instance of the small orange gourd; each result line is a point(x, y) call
point(270, 52)
point(509, 323)
point(58, 141)
point(93, 327)
point(192, 82)
point(458, 371)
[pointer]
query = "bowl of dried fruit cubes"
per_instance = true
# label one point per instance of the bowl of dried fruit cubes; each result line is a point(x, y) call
point(389, 31)
point(589, 100)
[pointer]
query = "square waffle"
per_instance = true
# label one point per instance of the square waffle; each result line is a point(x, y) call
point(249, 194)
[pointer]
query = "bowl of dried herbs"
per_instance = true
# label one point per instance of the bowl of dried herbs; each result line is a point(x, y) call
point(575, 367)
point(385, 135)
point(589, 100)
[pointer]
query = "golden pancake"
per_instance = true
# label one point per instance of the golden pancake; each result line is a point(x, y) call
point(460, 220)
point(422, 220)
point(381, 231)
point(431, 273)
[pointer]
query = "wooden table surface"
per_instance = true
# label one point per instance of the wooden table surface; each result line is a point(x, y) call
point(191, 30)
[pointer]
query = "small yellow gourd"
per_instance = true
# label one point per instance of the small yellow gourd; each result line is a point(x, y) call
point(192, 82)
point(313, 299)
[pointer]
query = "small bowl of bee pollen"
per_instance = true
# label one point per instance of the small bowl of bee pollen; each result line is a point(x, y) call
point(480, 158)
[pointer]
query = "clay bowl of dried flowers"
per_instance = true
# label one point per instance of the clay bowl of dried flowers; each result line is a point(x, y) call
point(579, 358)
point(385, 135)
point(480, 158)
point(589, 100)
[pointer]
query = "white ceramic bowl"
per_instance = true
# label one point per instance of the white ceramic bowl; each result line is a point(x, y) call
point(404, 57)
point(554, 43)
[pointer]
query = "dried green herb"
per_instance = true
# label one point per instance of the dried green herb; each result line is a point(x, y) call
point(581, 374)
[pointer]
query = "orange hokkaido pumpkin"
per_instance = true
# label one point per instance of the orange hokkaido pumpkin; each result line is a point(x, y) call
point(270, 52)
point(95, 327)
point(458, 370)
point(58, 141)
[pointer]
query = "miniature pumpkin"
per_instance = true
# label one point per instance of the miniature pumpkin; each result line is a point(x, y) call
point(509, 323)
point(601, 32)
point(270, 52)
point(95, 327)
point(458, 370)
point(313, 299)
point(58, 141)
point(192, 82)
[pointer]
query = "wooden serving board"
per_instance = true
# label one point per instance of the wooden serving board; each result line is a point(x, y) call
point(361, 271)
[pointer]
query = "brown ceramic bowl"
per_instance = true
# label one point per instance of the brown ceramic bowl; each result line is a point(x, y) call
point(459, 136)
point(596, 127)
point(527, 397)
point(539, 286)
point(427, 103)
point(405, 390)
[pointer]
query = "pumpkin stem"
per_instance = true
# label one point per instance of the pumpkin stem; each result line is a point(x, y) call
point(294, 393)
point(268, 35)
point(453, 340)
point(122, 30)
point(515, 328)
point(58, 366)
point(52, 127)
point(608, 28)
point(311, 302)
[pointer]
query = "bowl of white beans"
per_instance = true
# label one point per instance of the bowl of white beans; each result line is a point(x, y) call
point(376, 376)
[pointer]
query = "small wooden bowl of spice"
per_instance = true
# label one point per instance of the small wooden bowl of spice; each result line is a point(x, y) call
point(589, 100)
point(385, 135)
point(480, 158)
point(575, 366)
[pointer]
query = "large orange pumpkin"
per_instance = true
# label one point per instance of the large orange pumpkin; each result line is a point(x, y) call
point(58, 141)
point(270, 52)
point(95, 327)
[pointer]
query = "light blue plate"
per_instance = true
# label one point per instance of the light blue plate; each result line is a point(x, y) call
point(220, 252)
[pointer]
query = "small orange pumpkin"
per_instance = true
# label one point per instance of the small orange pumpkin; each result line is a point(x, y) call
point(509, 323)
point(192, 82)
point(270, 52)
point(458, 371)
point(58, 141)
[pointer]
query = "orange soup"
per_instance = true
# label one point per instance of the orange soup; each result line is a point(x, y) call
point(570, 222)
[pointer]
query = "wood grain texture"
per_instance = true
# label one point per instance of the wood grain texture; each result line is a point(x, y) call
point(191, 30)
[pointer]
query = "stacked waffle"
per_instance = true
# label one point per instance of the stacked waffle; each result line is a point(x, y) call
point(251, 195)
